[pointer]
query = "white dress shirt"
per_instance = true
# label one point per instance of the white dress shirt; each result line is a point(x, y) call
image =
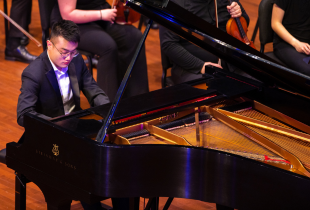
point(65, 87)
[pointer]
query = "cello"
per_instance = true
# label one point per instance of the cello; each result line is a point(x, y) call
point(237, 27)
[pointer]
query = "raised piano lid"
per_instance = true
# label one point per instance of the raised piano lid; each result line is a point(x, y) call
point(208, 37)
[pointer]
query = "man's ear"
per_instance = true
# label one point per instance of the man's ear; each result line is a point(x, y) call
point(48, 43)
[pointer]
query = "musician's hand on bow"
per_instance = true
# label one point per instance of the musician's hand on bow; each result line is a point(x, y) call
point(203, 70)
point(108, 15)
point(234, 10)
point(301, 47)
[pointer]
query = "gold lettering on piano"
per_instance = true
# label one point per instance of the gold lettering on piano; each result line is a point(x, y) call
point(55, 159)
point(55, 150)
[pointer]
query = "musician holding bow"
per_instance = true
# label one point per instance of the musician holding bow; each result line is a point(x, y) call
point(16, 41)
point(188, 60)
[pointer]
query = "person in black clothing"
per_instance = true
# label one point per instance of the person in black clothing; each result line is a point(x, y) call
point(51, 84)
point(188, 60)
point(291, 24)
point(16, 46)
point(114, 44)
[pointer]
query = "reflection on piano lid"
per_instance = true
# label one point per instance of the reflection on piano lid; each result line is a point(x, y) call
point(212, 39)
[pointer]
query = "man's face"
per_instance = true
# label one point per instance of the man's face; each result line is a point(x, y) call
point(61, 51)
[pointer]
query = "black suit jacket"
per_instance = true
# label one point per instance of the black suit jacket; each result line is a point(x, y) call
point(40, 93)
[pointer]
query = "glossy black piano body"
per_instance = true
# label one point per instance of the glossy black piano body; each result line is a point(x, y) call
point(63, 160)
point(87, 170)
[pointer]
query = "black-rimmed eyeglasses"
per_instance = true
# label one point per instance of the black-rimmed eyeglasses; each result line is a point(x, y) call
point(73, 53)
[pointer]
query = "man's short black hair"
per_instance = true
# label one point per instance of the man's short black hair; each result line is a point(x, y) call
point(67, 29)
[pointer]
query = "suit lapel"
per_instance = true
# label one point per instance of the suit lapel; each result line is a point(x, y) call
point(74, 84)
point(51, 76)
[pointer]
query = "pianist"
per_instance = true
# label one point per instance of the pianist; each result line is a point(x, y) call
point(188, 60)
point(51, 84)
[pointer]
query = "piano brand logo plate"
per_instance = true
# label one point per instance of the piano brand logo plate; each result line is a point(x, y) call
point(55, 150)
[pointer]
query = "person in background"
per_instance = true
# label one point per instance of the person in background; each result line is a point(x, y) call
point(114, 44)
point(291, 24)
point(16, 45)
point(189, 60)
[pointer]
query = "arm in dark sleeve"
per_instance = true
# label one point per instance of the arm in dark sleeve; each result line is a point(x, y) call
point(171, 46)
point(283, 4)
point(28, 98)
point(90, 88)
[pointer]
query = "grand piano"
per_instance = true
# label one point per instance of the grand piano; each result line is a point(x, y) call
point(227, 139)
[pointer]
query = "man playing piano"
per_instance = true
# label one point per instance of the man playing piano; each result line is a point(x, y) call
point(188, 60)
point(52, 83)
